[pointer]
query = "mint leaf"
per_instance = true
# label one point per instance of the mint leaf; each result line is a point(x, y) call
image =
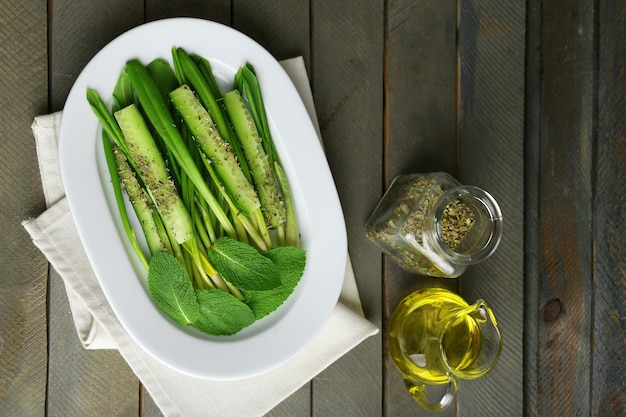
point(290, 262)
point(242, 265)
point(221, 313)
point(171, 288)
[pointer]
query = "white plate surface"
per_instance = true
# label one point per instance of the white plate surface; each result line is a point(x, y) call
point(271, 341)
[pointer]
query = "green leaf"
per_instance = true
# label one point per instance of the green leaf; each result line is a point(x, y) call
point(123, 92)
point(119, 198)
point(221, 313)
point(247, 83)
point(242, 265)
point(163, 75)
point(171, 288)
point(290, 262)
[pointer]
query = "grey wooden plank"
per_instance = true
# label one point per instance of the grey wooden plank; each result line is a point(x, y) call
point(79, 29)
point(531, 204)
point(346, 74)
point(281, 26)
point(421, 88)
point(352, 385)
point(23, 286)
point(346, 83)
point(491, 156)
point(297, 404)
point(608, 379)
point(420, 137)
point(148, 407)
point(215, 10)
point(84, 383)
point(564, 223)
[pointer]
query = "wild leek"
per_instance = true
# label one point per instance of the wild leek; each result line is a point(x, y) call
point(197, 173)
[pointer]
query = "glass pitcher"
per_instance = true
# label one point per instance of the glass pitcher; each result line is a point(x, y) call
point(436, 337)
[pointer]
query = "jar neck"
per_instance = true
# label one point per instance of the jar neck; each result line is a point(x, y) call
point(466, 225)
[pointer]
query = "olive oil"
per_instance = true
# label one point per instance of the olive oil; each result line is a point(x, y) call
point(432, 335)
point(435, 337)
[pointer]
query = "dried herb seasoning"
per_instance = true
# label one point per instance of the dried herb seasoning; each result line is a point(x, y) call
point(456, 222)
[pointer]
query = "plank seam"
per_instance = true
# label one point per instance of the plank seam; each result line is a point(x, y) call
point(594, 192)
point(385, 171)
point(457, 110)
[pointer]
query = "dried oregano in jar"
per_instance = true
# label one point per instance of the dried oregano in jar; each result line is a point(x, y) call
point(431, 224)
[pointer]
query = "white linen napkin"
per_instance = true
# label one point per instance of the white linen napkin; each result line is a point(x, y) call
point(176, 394)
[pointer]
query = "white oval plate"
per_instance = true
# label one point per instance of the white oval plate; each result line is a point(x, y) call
point(271, 341)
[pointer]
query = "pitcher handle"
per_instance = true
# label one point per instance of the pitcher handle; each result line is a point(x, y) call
point(417, 390)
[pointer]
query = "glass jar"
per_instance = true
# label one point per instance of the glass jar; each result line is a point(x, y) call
point(431, 224)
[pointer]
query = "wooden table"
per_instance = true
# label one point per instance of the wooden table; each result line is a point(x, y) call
point(524, 99)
